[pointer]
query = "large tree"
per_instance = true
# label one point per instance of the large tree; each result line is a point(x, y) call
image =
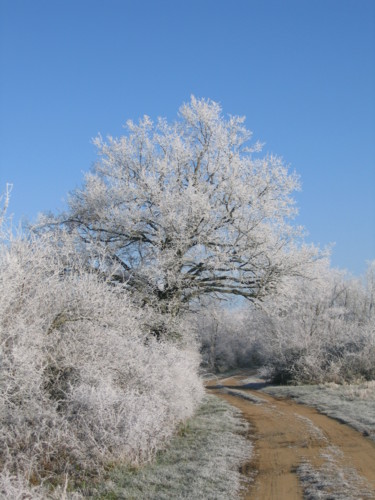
point(190, 208)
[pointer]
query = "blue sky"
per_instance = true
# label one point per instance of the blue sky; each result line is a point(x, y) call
point(302, 72)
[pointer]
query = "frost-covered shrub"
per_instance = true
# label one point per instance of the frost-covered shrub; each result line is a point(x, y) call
point(83, 383)
point(312, 331)
point(319, 331)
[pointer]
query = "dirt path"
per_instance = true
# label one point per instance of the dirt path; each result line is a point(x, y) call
point(287, 434)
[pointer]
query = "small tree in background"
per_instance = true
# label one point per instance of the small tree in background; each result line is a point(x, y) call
point(227, 338)
point(190, 209)
point(4, 202)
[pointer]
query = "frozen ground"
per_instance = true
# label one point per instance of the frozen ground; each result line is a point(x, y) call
point(322, 449)
point(351, 404)
point(331, 481)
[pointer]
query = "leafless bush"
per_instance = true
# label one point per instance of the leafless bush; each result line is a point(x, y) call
point(83, 383)
point(313, 331)
point(321, 331)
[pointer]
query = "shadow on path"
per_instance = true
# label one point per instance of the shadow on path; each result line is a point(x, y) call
point(252, 386)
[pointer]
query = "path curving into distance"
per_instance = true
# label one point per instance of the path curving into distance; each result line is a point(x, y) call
point(297, 450)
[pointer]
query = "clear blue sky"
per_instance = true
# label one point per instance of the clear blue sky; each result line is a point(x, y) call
point(303, 73)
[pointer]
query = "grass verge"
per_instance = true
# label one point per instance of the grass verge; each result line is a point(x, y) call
point(202, 461)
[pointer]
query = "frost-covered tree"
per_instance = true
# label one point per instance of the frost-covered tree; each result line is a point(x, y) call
point(370, 290)
point(190, 209)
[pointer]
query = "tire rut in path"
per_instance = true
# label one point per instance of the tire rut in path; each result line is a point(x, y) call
point(287, 434)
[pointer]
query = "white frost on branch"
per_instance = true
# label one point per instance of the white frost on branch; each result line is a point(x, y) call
point(4, 203)
point(191, 209)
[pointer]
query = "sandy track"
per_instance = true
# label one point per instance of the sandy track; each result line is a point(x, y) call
point(287, 434)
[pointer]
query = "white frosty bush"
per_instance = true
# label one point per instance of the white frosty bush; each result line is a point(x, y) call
point(320, 330)
point(313, 331)
point(83, 383)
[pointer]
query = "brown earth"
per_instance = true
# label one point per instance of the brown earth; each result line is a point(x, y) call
point(286, 434)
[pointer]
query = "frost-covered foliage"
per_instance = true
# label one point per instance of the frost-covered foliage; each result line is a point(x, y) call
point(314, 330)
point(83, 383)
point(319, 330)
point(4, 219)
point(191, 209)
